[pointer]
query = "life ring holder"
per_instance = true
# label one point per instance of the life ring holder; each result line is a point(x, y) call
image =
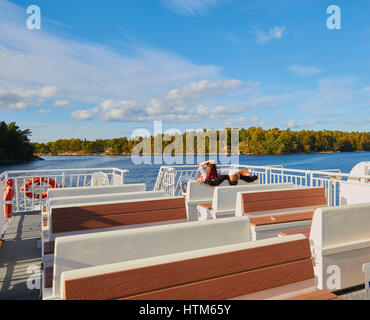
point(38, 180)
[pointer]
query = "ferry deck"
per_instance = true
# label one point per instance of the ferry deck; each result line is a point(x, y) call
point(24, 261)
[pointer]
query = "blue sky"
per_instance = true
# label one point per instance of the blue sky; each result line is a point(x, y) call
point(100, 69)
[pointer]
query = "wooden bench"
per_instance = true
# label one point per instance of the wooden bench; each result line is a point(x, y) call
point(65, 202)
point(340, 244)
point(119, 214)
point(279, 268)
point(79, 251)
point(102, 217)
point(272, 212)
point(223, 203)
point(202, 193)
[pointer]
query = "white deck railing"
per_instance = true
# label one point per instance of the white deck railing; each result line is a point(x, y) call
point(169, 178)
point(63, 177)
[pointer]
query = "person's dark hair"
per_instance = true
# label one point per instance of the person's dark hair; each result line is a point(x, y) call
point(211, 171)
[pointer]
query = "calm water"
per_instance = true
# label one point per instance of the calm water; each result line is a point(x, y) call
point(147, 174)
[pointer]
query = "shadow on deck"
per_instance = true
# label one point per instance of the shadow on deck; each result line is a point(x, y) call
point(20, 259)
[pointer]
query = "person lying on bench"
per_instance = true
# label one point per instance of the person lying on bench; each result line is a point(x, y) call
point(233, 178)
point(209, 174)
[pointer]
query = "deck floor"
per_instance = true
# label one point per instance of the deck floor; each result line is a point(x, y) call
point(20, 259)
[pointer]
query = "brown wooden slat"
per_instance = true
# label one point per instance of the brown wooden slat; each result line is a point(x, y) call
point(49, 277)
point(235, 285)
point(283, 204)
point(207, 206)
point(305, 232)
point(117, 208)
point(283, 194)
point(281, 218)
point(49, 247)
point(131, 282)
point(274, 200)
point(317, 295)
point(98, 222)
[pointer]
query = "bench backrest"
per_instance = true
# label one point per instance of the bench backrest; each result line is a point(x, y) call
point(224, 198)
point(218, 273)
point(80, 251)
point(340, 225)
point(340, 237)
point(86, 191)
point(106, 215)
point(90, 191)
point(259, 201)
point(204, 192)
point(64, 202)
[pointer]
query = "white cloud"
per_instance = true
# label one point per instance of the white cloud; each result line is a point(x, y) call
point(182, 104)
point(256, 121)
point(119, 111)
point(22, 99)
point(87, 73)
point(62, 103)
point(195, 92)
point(84, 115)
point(292, 124)
point(304, 70)
point(263, 37)
point(193, 7)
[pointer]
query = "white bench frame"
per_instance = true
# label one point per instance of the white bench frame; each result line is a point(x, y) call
point(340, 245)
point(203, 193)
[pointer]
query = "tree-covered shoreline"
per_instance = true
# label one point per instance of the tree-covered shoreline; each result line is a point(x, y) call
point(15, 146)
point(254, 141)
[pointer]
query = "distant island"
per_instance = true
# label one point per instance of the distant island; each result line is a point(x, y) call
point(15, 146)
point(252, 141)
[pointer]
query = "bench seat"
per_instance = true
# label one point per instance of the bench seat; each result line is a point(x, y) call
point(224, 199)
point(216, 273)
point(317, 295)
point(305, 232)
point(67, 221)
point(281, 218)
point(276, 211)
point(203, 193)
point(102, 199)
point(268, 269)
point(96, 249)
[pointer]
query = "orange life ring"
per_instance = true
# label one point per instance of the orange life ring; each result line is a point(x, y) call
point(8, 195)
point(26, 187)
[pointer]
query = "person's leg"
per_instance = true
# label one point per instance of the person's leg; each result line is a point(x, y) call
point(248, 178)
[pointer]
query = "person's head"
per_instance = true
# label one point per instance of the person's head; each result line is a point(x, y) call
point(234, 177)
point(211, 169)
